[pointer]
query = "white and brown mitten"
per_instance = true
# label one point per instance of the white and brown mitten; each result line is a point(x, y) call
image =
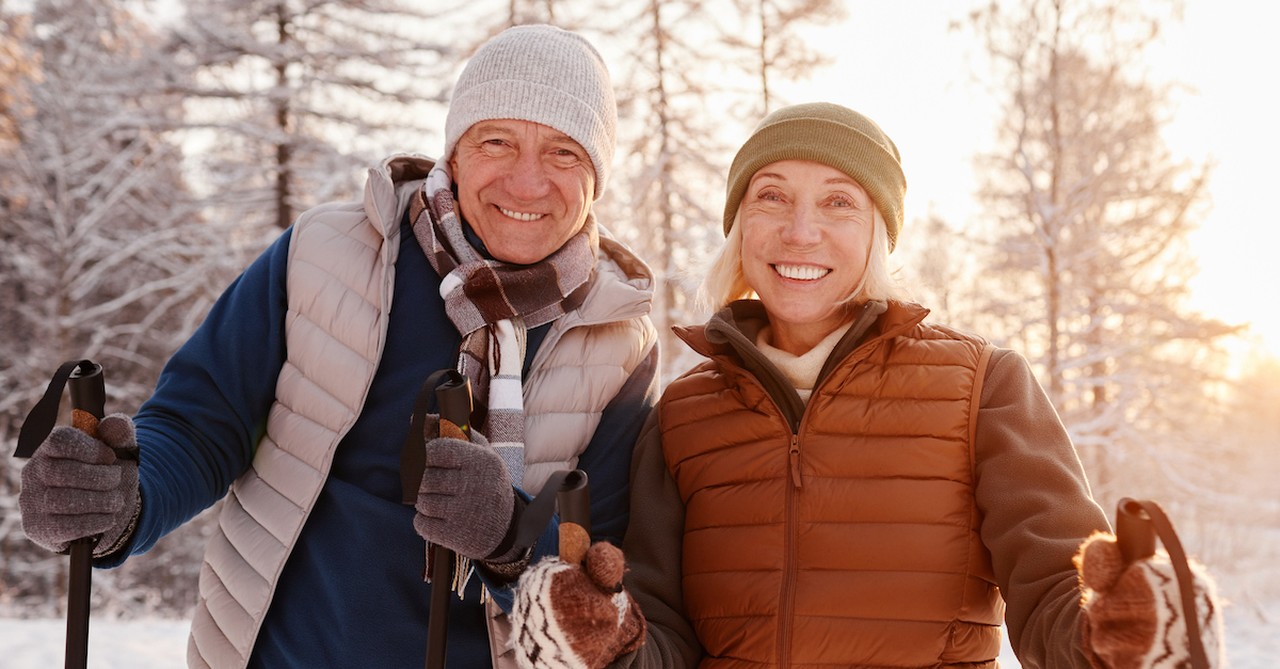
point(1132, 614)
point(573, 613)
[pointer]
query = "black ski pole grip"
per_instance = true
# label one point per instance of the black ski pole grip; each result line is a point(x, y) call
point(1138, 524)
point(453, 397)
point(88, 405)
point(88, 394)
point(574, 500)
point(1135, 534)
point(88, 389)
point(451, 391)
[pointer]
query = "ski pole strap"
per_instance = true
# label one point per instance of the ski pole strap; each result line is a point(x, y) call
point(568, 490)
point(39, 422)
point(451, 392)
point(1181, 568)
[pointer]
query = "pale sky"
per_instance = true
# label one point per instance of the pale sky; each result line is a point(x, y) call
point(899, 64)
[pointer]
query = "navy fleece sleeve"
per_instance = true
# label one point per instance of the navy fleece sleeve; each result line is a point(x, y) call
point(198, 431)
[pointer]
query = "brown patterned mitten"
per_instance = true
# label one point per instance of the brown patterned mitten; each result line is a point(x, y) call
point(574, 615)
point(1132, 613)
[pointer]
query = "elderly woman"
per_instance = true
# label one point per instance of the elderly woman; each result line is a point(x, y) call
point(843, 482)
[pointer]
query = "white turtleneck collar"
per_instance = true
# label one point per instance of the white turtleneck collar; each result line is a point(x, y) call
point(800, 370)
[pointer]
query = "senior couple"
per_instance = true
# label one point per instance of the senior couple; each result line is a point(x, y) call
point(841, 482)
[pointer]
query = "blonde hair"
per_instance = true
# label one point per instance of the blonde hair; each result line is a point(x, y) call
point(724, 281)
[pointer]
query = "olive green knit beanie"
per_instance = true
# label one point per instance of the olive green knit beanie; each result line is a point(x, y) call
point(832, 135)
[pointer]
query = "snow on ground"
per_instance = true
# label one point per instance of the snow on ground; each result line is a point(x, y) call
point(134, 644)
point(1253, 642)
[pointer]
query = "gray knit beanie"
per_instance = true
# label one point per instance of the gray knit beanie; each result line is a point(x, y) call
point(543, 74)
point(834, 136)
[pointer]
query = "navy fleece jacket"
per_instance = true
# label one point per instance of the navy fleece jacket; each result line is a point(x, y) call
point(352, 592)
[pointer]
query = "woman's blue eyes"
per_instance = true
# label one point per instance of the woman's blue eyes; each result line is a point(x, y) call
point(837, 201)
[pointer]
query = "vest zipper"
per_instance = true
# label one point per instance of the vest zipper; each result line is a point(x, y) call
point(787, 604)
point(795, 460)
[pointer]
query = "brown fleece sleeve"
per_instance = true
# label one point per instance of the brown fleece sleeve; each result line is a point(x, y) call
point(1036, 511)
point(653, 548)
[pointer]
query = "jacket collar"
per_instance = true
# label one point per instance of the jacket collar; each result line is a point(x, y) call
point(742, 320)
point(730, 337)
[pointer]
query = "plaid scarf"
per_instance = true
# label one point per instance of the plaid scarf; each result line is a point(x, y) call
point(492, 304)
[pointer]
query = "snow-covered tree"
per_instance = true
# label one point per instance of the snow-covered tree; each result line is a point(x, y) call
point(1090, 215)
point(104, 252)
point(297, 98)
point(17, 65)
point(15, 68)
point(104, 255)
point(935, 269)
point(693, 78)
point(771, 31)
point(671, 158)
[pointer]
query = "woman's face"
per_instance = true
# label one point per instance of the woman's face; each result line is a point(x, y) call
point(806, 237)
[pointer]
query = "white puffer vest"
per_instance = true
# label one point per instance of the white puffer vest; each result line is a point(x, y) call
point(340, 280)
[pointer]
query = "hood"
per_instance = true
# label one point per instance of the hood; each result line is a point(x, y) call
point(389, 187)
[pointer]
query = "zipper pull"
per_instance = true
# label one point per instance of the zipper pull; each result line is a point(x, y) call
point(795, 460)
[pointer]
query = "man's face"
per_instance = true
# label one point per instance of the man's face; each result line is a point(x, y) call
point(524, 187)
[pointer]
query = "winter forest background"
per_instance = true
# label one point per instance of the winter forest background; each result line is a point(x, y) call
point(149, 150)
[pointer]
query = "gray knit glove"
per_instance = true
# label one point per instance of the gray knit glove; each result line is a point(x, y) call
point(465, 501)
point(75, 486)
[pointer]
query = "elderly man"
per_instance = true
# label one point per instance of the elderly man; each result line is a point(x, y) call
point(296, 392)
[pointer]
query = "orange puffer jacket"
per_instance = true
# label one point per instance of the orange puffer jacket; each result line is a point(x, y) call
point(848, 537)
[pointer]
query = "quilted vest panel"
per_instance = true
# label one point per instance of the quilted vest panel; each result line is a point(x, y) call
point(851, 543)
point(319, 393)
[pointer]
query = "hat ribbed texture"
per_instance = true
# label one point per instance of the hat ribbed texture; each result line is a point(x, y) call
point(543, 74)
point(832, 135)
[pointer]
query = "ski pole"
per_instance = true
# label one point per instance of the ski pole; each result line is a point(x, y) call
point(88, 401)
point(451, 391)
point(453, 398)
point(1138, 523)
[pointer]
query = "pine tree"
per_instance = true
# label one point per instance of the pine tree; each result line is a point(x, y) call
point(771, 33)
point(672, 154)
point(104, 254)
point(297, 99)
point(1090, 215)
